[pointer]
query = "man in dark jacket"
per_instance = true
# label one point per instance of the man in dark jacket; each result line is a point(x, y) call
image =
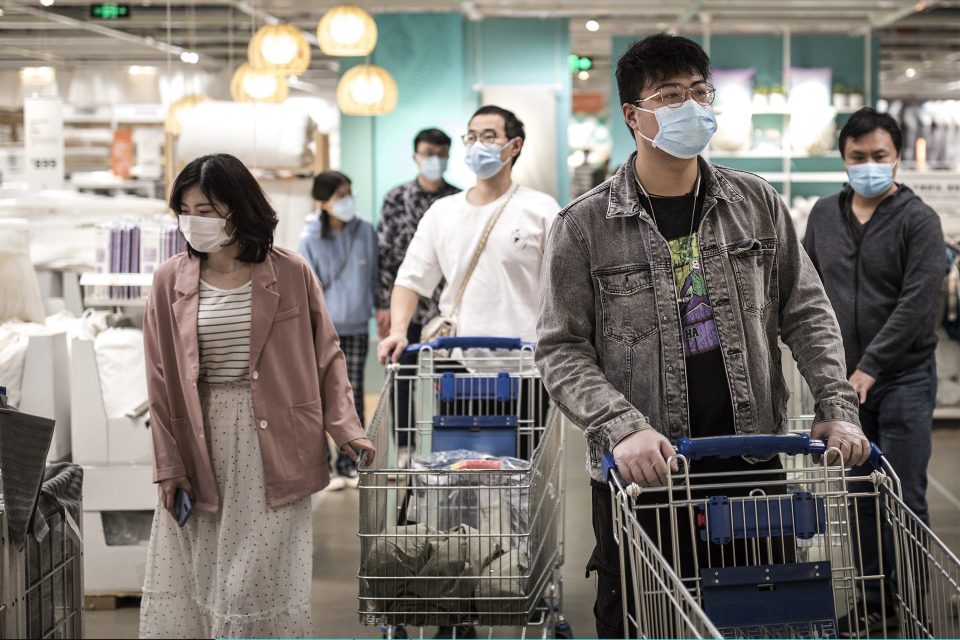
point(880, 252)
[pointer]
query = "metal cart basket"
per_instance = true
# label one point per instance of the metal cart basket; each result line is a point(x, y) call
point(777, 553)
point(41, 586)
point(471, 542)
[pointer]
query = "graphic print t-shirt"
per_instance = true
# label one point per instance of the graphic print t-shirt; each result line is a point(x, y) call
point(711, 412)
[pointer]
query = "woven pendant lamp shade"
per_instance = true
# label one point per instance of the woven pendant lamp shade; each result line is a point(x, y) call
point(175, 111)
point(345, 30)
point(250, 85)
point(367, 90)
point(280, 48)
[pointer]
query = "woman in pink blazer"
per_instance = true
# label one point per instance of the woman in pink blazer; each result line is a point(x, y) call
point(245, 378)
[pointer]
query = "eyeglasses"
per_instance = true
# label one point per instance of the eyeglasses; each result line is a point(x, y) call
point(674, 95)
point(486, 137)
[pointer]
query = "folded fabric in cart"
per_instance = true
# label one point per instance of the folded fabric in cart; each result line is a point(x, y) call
point(60, 496)
point(423, 572)
point(501, 587)
point(400, 552)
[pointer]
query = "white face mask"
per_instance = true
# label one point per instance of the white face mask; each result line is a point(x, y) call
point(344, 209)
point(432, 167)
point(205, 235)
point(484, 159)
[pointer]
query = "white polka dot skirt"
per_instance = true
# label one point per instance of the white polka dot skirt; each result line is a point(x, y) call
point(244, 572)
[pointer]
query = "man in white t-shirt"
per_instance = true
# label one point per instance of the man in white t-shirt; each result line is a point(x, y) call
point(502, 293)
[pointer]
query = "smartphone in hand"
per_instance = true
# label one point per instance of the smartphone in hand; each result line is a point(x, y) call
point(183, 506)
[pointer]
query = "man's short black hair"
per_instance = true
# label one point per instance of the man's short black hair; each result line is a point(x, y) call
point(655, 59)
point(223, 179)
point(866, 121)
point(512, 126)
point(432, 136)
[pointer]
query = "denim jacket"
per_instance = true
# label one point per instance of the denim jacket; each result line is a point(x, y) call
point(609, 338)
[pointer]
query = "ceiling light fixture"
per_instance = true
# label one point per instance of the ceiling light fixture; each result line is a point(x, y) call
point(584, 75)
point(38, 75)
point(174, 119)
point(345, 30)
point(910, 72)
point(190, 57)
point(253, 85)
point(593, 25)
point(280, 48)
point(139, 70)
point(47, 3)
point(367, 90)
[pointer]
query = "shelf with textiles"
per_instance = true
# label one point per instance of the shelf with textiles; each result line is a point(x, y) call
point(127, 290)
point(116, 279)
point(786, 111)
point(809, 177)
point(773, 154)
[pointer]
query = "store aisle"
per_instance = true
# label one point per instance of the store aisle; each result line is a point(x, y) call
point(336, 549)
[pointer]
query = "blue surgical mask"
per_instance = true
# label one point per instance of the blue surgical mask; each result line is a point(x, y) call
point(870, 179)
point(432, 167)
point(344, 209)
point(484, 159)
point(685, 131)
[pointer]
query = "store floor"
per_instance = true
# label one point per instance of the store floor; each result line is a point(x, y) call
point(336, 549)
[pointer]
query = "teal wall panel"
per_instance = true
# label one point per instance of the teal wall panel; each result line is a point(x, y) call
point(761, 52)
point(425, 55)
point(526, 52)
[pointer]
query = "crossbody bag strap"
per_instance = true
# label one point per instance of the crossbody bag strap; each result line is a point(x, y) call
point(479, 252)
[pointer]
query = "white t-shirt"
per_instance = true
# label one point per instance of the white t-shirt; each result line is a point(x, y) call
point(502, 295)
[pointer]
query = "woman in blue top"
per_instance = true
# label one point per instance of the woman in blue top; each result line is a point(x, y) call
point(342, 250)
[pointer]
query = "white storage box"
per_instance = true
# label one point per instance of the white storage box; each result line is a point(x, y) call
point(118, 505)
point(100, 439)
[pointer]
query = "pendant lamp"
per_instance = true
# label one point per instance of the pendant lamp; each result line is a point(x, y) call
point(346, 30)
point(280, 48)
point(367, 90)
point(251, 85)
point(174, 118)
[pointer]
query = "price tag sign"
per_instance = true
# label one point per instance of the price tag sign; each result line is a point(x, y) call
point(43, 142)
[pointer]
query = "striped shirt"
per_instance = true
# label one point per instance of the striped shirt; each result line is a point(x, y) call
point(223, 329)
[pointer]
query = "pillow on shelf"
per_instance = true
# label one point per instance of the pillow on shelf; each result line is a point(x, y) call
point(733, 109)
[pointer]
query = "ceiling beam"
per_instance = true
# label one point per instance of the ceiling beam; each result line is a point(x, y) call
point(107, 32)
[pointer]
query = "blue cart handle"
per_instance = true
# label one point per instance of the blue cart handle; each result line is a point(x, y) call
point(761, 446)
point(468, 342)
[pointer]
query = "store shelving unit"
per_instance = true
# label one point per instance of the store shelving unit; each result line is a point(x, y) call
point(819, 172)
point(94, 284)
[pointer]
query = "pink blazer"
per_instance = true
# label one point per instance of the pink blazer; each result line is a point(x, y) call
point(298, 379)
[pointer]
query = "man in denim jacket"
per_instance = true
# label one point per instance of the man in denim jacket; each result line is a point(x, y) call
point(664, 293)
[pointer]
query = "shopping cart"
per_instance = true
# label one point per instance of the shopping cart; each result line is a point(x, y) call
point(480, 542)
point(766, 553)
point(41, 586)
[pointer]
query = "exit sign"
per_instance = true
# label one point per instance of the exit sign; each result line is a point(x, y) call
point(109, 11)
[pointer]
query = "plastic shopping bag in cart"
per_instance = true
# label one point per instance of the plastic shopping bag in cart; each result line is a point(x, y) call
point(495, 503)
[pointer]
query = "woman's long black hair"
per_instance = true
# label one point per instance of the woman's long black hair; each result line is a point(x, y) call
point(325, 184)
point(223, 179)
